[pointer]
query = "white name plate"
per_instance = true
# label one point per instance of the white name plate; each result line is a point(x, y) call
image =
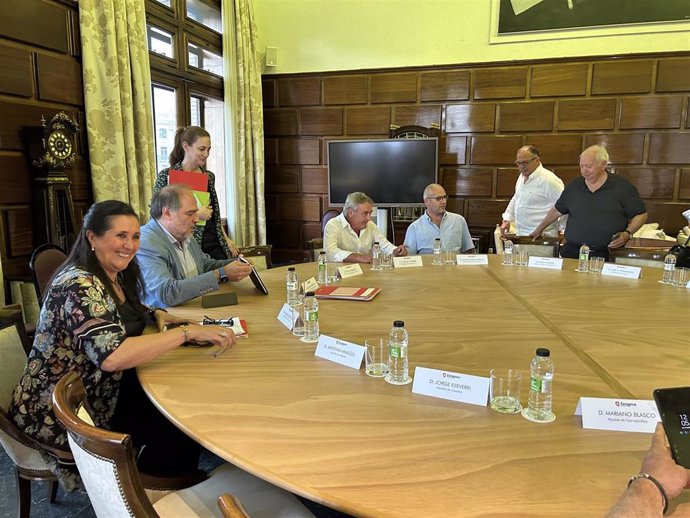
point(617, 270)
point(310, 285)
point(623, 415)
point(287, 316)
point(350, 270)
point(463, 388)
point(550, 263)
point(339, 351)
point(408, 261)
point(472, 259)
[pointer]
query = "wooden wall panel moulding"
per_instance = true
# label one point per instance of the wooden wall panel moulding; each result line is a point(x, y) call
point(468, 182)
point(19, 232)
point(299, 151)
point(280, 179)
point(668, 215)
point(268, 93)
point(623, 148)
point(525, 116)
point(559, 80)
point(15, 180)
point(493, 150)
point(445, 86)
point(17, 73)
point(271, 207)
point(557, 149)
point(299, 208)
point(280, 122)
point(500, 83)
point(505, 181)
point(485, 213)
point(586, 114)
point(622, 77)
point(654, 112)
point(321, 121)
point(78, 173)
point(59, 80)
point(470, 118)
point(271, 151)
point(345, 90)
point(651, 182)
point(302, 91)
point(420, 115)
point(48, 27)
point(15, 115)
point(310, 231)
point(286, 234)
point(394, 88)
point(669, 148)
point(673, 75)
point(684, 186)
point(314, 180)
point(452, 150)
point(567, 173)
point(374, 120)
point(457, 205)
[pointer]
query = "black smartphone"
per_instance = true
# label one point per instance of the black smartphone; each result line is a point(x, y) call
point(674, 409)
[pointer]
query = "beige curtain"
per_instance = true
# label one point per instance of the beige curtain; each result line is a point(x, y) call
point(244, 114)
point(117, 94)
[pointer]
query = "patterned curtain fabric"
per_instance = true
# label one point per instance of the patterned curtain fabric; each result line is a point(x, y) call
point(244, 109)
point(117, 95)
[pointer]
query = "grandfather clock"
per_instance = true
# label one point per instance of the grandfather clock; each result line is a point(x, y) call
point(51, 148)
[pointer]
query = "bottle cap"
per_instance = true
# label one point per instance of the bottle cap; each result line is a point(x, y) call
point(322, 252)
point(398, 323)
point(291, 269)
point(543, 351)
point(311, 294)
point(376, 242)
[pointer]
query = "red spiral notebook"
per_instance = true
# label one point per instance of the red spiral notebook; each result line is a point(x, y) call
point(346, 293)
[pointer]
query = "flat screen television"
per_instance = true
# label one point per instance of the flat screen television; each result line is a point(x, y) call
point(393, 172)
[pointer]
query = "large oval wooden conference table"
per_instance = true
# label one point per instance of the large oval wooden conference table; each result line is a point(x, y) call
point(368, 448)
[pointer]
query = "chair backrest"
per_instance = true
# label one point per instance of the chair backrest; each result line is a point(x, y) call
point(259, 255)
point(542, 247)
point(45, 260)
point(639, 256)
point(327, 216)
point(105, 459)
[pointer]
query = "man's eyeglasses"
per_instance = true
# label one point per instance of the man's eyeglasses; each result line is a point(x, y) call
point(523, 163)
point(438, 198)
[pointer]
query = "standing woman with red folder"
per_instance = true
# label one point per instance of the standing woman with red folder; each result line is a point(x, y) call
point(191, 150)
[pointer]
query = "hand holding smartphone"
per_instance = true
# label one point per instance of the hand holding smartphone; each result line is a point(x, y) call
point(674, 409)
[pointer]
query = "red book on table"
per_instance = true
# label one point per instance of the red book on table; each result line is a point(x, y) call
point(346, 293)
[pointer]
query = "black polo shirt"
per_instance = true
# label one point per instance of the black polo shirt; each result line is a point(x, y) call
point(593, 217)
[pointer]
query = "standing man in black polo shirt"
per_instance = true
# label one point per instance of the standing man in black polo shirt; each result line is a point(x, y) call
point(604, 209)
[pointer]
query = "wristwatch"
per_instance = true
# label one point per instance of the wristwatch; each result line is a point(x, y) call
point(630, 234)
point(223, 277)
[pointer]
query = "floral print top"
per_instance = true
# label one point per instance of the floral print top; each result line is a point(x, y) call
point(162, 180)
point(78, 328)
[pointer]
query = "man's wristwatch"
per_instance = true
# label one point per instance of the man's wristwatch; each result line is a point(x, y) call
point(223, 277)
point(630, 234)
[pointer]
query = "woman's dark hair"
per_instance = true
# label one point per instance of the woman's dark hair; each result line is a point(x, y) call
point(188, 135)
point(98, 220)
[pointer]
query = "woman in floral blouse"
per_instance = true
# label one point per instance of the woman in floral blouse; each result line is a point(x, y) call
point(91, 322)
point(190, 152)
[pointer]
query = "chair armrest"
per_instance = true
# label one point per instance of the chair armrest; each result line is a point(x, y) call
point(231, 507)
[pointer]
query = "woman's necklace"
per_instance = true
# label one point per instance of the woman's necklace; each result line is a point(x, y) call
point(119, 291)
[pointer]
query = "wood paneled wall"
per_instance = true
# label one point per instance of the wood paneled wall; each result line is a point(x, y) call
point(637, 106)
point(41, 75)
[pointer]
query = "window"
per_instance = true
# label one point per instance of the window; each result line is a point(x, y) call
point(164, 2)
point(205, 13)
point(163, 133)
point(205, 59)
point(164, 122)
point(160, 42)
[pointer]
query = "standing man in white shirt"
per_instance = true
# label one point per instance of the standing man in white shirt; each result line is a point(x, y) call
point(350, 236)
point(536, 191)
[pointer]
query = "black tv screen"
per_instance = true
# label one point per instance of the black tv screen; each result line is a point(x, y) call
point(393, 172)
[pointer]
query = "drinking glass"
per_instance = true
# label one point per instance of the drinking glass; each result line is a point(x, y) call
point(505, 390)
point(376, 357)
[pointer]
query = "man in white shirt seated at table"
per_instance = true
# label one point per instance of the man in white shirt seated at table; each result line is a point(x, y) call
point(437, 222)
point(349, 237)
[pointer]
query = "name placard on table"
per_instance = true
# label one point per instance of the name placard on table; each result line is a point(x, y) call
point(471, 259)
point(618, 270)
point(339, 351)
point(408, 261)
point(287, 316)
point(550, 263)
point(623, 415)
point(310, 285)
point(350, 270)
point(454, 386)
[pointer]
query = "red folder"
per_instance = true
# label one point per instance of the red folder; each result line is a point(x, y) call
point(195, 181)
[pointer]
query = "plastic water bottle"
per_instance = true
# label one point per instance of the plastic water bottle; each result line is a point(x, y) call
point(397, 354)
point(508, 253)
point(583, 264)
point(669, 266)
point(376, 256)
point(540, 381)
point(292, 284)
point(311, 318)
point(438, 260)
point(322, 275)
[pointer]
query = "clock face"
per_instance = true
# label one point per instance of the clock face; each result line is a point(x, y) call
point(59, 145)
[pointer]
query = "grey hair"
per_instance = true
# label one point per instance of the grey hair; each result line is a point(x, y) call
point(600, 153)
point(354, 200)
point(168, 196)
point(429, 188)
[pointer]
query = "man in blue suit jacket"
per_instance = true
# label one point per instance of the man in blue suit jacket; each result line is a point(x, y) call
point(172, 263)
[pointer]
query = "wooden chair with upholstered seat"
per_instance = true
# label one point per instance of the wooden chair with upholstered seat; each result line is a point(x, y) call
point(45, 260)
point(259, 255)
point(22, 450)
point(316, 244)
point(641, 252)
point(108, 469)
